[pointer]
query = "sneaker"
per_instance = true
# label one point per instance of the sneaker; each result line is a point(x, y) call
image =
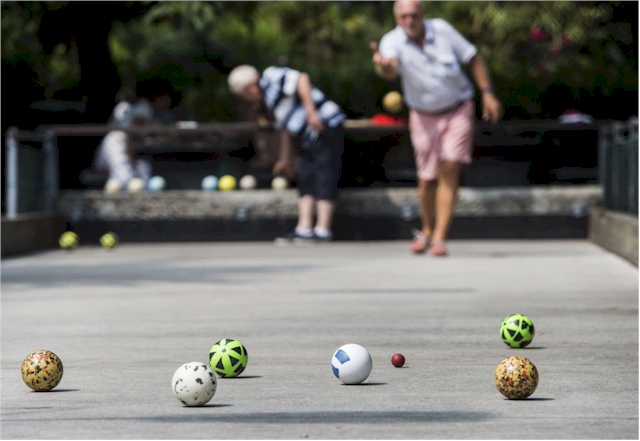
point(320, 239)
point(438, 249)
point(420, 242)
point(292, 239)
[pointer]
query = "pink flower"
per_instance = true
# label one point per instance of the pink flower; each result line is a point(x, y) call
point(536, 34)
point(554, 50)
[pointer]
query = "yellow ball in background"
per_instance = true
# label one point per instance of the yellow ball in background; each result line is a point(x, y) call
point(69, 240)
point(392, 102)
point(109, 240)
point(226, 183)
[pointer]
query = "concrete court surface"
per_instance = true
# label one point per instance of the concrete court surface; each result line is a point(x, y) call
point(122, 322)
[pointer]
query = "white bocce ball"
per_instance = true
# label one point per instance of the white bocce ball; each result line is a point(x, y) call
point(351, 364)
point(279, 183)
point(112, 186)
point(156, 183)
point(248, 182)
point(135, 185)
point(209, 183)
point(194, 384)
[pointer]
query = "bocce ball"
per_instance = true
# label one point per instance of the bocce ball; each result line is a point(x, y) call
point(351, 364)
point(112, 186)
point(156, 183)
point(135, 185)
point(517, 330)
point(516, 377)
point(42, 370)
point(69, 240)
point(194, 384)
point(109, 240)
point(227, 183)
point(397, 360)
point(248, 182)
point(228, 358)
point(279, 183)
point(392, 102)
point(209, 183)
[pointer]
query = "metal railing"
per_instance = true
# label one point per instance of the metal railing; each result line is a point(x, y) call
point(618, 165)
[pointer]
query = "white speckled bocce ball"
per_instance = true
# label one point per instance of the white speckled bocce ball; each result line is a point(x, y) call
point(42, 370)
point(194, 384)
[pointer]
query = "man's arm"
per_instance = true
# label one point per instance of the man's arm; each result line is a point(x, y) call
point(304, 92)
point(386, 68)
point(491, 107)
point(284, 163)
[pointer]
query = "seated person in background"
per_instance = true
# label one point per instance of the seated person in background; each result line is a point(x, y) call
point(125, 98)
point(116, 154)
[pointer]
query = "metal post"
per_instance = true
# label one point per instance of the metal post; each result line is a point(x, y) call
point(632, 180)
point(11, 170)
point(51, 183)
point(603, 163)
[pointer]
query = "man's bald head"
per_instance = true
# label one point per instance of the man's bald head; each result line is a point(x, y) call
point(409, 16)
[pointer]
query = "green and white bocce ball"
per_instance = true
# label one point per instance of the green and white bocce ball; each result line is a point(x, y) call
point(517, 330)
point(228, 358)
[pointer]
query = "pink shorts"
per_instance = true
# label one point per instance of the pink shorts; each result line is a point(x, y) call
point(445, 137)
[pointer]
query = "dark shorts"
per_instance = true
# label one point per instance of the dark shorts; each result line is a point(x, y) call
point(318, 171)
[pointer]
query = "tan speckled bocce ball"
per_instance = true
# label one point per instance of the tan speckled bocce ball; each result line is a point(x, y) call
point(42, 370)
point(516, 377)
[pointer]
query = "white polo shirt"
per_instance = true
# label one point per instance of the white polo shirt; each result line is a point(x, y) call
point(431, 75)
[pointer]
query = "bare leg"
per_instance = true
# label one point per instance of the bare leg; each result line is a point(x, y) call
point(306, 205)
point(427, 202)
point(325, 214)
point(446, 197)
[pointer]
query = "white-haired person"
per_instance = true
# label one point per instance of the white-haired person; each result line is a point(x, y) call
point(310, 122)
point(116, 154)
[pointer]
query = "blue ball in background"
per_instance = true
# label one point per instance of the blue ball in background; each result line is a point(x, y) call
point(209, 183)
point(156, 183)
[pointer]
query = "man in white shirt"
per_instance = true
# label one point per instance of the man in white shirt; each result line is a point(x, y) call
point(427, 55)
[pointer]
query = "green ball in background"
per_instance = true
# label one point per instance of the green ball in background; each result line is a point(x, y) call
point(69, 240)
point(517, 330)
point(228, 358)
point(109, 240)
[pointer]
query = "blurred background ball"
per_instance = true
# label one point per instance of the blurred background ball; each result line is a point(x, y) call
point(209, 183)
point(69, 240)
point(228, 358)
point(517, 330)
point(194, 384)
point(227, 183)
point(516, 377)
point(156, 183)
point(279, 183)
point(109, 240)
point(42, 370)
point(135, 185)
point(248, 182)
point(392, 102)
point(112, 186)
point(351, 364)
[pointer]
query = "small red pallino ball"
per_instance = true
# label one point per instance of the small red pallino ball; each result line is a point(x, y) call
point(397, 360)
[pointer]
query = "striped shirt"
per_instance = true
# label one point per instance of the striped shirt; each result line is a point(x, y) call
point(279, 86)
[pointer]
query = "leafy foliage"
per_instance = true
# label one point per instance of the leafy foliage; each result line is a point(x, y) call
point(544, 56)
